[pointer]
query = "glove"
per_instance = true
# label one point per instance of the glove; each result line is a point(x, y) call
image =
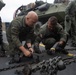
point(52, 50)
point(58, 47)
point(36, 48)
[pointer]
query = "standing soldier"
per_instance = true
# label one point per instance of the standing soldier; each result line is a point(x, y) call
point(2, 51)
point(22, 29)
point(70, 20)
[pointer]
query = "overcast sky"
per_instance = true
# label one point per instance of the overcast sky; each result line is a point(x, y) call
point(11, 5)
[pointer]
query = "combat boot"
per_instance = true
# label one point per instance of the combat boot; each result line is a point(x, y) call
point(73, 44)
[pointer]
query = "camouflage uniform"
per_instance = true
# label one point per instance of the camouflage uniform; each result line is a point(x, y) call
point(2, 51)
point(17, 32)
point(50, 37)
point(0, 31)
point(70, 20)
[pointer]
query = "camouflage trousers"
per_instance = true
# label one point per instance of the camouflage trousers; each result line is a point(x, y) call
point(48, 42)
point(70, 25)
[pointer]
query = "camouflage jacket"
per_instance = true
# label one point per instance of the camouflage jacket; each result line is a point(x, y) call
point(71, 8)
point(55, 33)
point(18, 31)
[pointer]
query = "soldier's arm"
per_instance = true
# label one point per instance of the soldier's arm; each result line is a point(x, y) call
point(63, 35)
point(15, 33)
point(15, 38)
point(25, 51)
point(31, 37)
point(29, 45)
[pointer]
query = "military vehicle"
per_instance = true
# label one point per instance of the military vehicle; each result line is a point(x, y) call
point(41, 63)
point(45, 10)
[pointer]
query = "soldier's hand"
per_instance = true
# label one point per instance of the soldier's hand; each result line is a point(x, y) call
point(52, 50)
point(28, 53)
point(61, 42)
point(31, 50)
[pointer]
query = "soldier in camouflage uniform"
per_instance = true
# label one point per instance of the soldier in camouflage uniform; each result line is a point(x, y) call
point(50, 33)
point(22, 29)
point(70, 20)
point(2, 51)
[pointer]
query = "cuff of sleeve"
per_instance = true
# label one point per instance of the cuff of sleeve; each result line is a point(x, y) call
point(19, 45)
